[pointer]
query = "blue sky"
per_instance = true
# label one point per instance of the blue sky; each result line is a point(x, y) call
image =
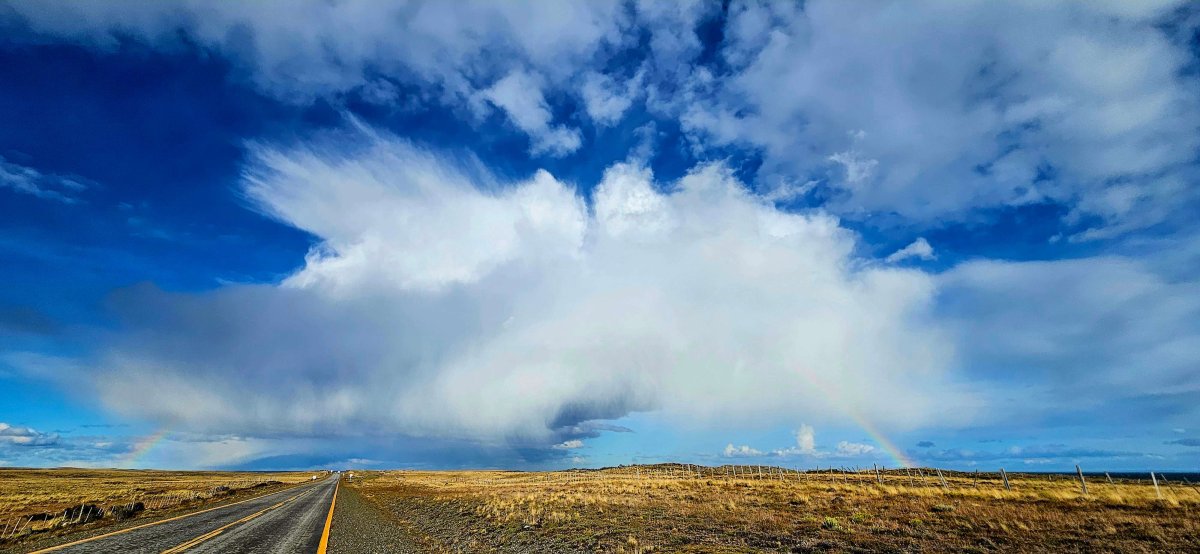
point(544, 235)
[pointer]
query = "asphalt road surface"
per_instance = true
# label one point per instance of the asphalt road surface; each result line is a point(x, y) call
point(288, 521)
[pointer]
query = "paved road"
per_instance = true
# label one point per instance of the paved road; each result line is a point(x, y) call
point(286, 521)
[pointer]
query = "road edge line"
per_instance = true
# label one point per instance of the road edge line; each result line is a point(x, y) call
point(324, 545)
point(151, 524)
point(200, 539)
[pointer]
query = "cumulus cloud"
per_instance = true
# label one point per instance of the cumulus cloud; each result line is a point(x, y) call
point(845, 448)
point(953, 108)
point(605, 99)
point(438, 301)
point(742, 451)
point(805, 444)
point(519, 94)
point(24, 436)
point(806, 438)
point(965, 105)
point(569, 445)
point(919, 249)
point(299, 50)
point(858, 169)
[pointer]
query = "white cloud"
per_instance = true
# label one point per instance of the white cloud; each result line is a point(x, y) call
point(1062, 336)
point(519, 94)
point(569, 445)
point(788, 191)
point(858, 168)
point(806, 447)
point(919, 249)
point(964, 105)
point(24, 436)
point(439, 302)
point(742, 451)
point(806, 438)
point(27, 180)
point(805, 444)
point(302, 49)
point(606, 100)
point(851, 449)
point(419, 223)
point(955, 107)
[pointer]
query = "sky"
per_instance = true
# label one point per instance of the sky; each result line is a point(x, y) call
point(541, 235)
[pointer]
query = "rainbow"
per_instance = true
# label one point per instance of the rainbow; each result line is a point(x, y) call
point(880, 438)
point(868, 426)
point(141, 447)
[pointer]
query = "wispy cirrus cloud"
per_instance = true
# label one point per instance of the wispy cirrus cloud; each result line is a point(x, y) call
point(1185, 442)
point(48, 186)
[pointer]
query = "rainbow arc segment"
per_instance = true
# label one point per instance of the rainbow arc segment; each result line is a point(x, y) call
point(865, 423)
point(141, 447)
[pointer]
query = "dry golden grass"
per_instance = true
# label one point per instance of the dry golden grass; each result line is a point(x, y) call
point(32, 501)
point(669, 509)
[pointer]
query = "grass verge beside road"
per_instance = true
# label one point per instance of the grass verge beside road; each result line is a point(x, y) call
point(43, 507)
point(667, 508)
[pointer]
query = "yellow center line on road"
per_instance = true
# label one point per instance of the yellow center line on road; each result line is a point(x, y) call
point(144, 525)
point(221, 529)
point(328, 521)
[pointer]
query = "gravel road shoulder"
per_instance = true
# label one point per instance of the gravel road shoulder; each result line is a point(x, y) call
point(362, 527)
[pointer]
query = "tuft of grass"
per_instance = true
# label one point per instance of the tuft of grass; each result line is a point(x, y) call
point(831, 523)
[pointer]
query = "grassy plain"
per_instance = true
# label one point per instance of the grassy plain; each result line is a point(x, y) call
point(667, 508)
point(39, 503)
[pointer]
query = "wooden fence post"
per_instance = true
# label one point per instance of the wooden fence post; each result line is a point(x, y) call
point(1082, 483)
point(943, 479)
point(1157, 492)
point(878, 476)
point(1004, 476)
point(1189, 483)
point(1170, 487)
